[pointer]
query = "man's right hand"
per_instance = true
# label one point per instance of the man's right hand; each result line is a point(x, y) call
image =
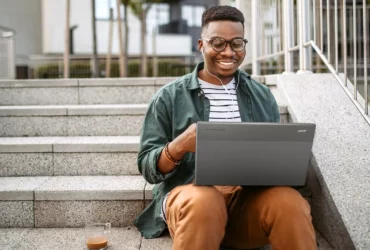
point(185, 142)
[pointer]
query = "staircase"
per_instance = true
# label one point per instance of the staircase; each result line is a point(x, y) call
point(68, 153)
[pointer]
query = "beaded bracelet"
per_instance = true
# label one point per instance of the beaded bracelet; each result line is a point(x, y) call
point(169, 157)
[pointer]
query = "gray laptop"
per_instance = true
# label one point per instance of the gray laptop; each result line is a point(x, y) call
point(252, 154)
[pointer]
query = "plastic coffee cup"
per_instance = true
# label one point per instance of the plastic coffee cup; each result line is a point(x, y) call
point(96, 235)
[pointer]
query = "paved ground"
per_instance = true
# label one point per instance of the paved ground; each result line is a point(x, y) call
point(73, 238)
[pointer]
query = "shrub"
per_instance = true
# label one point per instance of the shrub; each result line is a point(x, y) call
point(83, 69)
point(53, 70)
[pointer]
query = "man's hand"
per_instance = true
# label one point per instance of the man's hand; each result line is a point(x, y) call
point(182, 144)
point(186, 142)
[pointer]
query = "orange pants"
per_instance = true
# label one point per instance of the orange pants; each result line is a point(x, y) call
point(203, 218)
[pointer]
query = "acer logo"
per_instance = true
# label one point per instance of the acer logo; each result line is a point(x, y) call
point(302, 131)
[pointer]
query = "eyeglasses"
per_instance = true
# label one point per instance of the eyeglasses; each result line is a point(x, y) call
point(219, 44)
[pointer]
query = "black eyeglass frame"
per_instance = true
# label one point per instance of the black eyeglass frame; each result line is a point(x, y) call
point(226, 42)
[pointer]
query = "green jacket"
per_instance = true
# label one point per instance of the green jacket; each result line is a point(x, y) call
point(171, 111)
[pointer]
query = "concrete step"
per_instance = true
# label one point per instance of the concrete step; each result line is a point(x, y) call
point(72, 120)
point(73, 201)
point(80, 91)
point(59, 156)
point(70, 201)
point(84, 91)
point(123, 238)
point(77, 120)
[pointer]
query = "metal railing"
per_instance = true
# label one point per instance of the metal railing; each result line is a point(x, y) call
point(330, 32)
point(7, 54)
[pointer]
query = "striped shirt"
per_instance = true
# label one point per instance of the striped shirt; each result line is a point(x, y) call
point(224, 105)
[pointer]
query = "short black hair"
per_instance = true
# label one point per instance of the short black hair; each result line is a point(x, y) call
point(222, 13)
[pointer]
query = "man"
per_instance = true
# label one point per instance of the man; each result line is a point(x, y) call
point(201, 217)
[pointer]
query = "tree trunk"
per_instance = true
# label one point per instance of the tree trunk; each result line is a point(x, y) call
point(121, 51)
point(154, 56)
point(144, 57)
point(110, 39)
point(95, 69)
point(66, 41)
point(125, 51)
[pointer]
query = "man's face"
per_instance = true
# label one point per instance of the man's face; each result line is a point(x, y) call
point(222, 64)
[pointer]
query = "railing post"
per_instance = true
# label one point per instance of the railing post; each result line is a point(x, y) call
point(288, 35)
point(354, 4)
point(366, 97)
point(344, 34)
point(255, 42)
point(304, 36)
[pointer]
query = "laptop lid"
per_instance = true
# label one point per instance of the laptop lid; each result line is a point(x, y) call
point(252, 154)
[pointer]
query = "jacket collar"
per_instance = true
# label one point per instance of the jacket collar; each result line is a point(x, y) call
point(194, 83)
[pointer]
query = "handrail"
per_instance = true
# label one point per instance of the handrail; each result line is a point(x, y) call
point(304, 43)
point(6, 29)
point(340, 80)
point(279, 53)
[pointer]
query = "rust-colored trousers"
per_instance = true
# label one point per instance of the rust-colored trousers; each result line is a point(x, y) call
point(201, 218)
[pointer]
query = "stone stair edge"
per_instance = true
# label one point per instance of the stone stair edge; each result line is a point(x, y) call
point(73, 110)
point(101, 82)
point(76, 144)
point(63, 188)
point(86, 82)
point(74, 188)
point(83, 110)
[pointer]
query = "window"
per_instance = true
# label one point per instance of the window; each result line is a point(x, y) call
point(102, 9)
point(157, 15)
point(192, 15)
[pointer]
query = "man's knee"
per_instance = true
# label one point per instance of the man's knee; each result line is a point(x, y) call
point(201, 201)
point(203, 196)
point(287, 202)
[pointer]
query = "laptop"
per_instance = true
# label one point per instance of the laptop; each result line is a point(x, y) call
point(253, 154)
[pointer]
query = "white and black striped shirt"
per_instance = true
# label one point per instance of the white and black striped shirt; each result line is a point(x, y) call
point(224, 105)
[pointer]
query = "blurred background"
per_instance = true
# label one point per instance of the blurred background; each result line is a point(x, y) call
point(33, 32)
point(39, 38)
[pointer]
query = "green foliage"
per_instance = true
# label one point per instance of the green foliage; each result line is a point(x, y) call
point(83, 69)
point(48, 71)
point(165, 68)
point(77, 70)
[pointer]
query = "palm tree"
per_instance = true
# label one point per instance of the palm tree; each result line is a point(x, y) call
point(140, 10)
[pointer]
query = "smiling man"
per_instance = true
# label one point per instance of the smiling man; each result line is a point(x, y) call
point(204, 217)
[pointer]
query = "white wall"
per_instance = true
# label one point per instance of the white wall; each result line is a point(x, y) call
point(23, 16)
point(227, 2)
point(245, 7)
point(53, 28)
